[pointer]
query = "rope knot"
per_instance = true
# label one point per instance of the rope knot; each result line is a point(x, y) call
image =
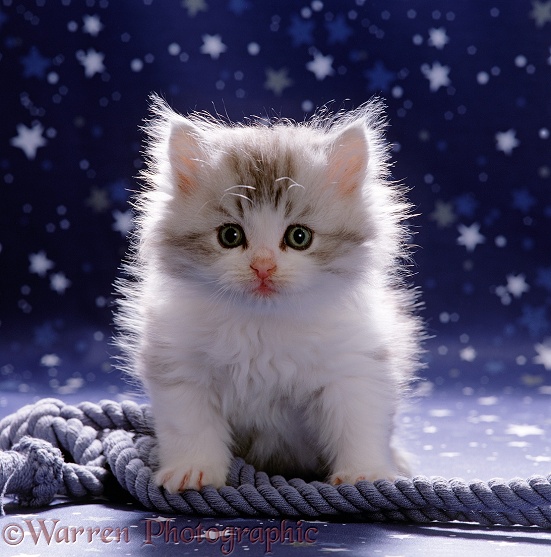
point(34, 470)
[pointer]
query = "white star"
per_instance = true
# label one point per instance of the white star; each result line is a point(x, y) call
point(438, 38)
point(29, 139)
point(40, 264)
point(321, 66)
point(538, 459)
point(92, 25)
point(50, 360)
point(437, 75)
point(470, 236)
point(516, 285)
point(544, 354)
point(468, 354)
point(278, 80)
point(193, 7)
point(506, 141)
point(524, 430)
point(92, 61)
point(213, 46)
point(59, 282)
point(123, 222)
point(541, 13)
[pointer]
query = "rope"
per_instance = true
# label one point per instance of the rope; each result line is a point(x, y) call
point(51, 448)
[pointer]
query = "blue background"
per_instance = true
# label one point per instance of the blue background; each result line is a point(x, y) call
point(467, 85)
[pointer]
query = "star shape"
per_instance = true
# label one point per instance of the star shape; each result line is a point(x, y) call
point(443, 214)
point(506, 141)
point(45, 335)
point(40, 264)
point(238, 7)
point(465, 205)
point(437, 75)
point(193, 7)
point(124, 222)
point(34, 64)
point(50, 360)
point(92, 61)
point(544, 354)
point(92, 25)
point(321, 66)
point(29, 139)
point(541, 12)
point(523, 200)
point(301, 31)
point(59, 282)
point(98, 199)
point(516, 285)
point(438, 38)
point(213, 46)
point(470, 236)
point(534, 319)
point(379, 77)
point(467, 354)
point(277, 80)
point(338, 30)
point(544, 277)
point(522, 430)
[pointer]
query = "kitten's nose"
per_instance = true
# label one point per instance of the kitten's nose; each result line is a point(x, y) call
point(264, 264)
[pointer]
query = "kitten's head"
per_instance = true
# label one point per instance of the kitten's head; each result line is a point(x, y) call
point(269, 215)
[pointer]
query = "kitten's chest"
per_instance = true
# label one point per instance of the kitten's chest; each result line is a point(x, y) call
point(261, 360)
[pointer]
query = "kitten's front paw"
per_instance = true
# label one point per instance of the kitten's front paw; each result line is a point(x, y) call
point(179, 478)
point(354, 476)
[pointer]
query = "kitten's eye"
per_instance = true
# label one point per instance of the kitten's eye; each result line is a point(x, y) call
point(231, 236)
point(298, 237)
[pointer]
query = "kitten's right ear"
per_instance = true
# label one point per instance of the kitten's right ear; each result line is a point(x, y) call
point(185, 153)
point(348, 158)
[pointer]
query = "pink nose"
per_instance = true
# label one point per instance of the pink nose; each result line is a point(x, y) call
point(263, 267)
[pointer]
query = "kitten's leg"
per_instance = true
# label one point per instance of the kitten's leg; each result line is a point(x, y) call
point(356, 416)
point(193, 437)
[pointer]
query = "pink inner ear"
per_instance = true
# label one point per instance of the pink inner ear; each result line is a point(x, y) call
point(184, 151)
point(348, 159)
point(349, 174)
point(186, 173)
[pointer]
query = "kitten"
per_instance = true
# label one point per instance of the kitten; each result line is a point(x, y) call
point(268, 316)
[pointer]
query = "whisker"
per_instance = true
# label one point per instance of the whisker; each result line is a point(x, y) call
point(237, 195)
point(240, 186)
point(204, 205)
point(294, 184)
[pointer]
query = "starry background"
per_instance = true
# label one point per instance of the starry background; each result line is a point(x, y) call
point(467, 85)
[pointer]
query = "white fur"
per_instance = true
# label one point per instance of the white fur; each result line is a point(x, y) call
point(307, 380)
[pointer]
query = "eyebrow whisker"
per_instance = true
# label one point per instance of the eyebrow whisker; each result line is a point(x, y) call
point(240, 186)
point(237, 195)
point(292, 185)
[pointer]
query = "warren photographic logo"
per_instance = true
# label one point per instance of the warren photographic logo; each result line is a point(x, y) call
point(44, 532)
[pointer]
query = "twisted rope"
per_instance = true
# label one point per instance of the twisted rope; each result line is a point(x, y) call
point(51, 448)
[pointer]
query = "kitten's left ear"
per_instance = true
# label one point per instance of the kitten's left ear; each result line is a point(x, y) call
point(348, 157)
point(185, 153)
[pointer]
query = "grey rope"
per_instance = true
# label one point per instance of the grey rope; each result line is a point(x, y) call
point(51, 448)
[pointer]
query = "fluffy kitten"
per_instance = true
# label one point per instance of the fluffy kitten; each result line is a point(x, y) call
point(268, 317)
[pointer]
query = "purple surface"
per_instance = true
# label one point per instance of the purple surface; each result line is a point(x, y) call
point(451, 433)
